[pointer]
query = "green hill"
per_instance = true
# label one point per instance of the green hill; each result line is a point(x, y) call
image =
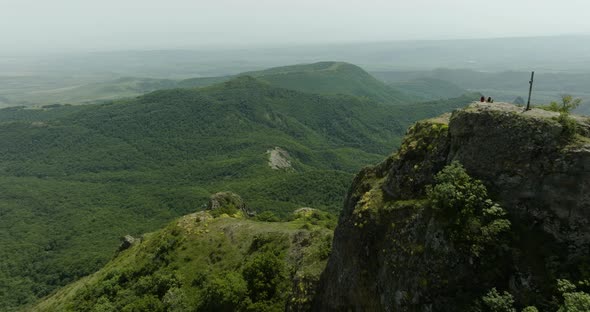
point(205, 264)
point(328, 78)
point(76, 178)
point(332, 78)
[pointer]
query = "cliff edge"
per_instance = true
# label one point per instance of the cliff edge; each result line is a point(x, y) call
point(393, 251)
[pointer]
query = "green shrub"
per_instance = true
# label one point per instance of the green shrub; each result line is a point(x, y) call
point(568, 103)
point(224, 292)
point(498, 302)
point(325, 248)
point(573, 300)
point(474, 220)
point(147, 303)
point(267, 216)
point(568, 124)
point(266, 276)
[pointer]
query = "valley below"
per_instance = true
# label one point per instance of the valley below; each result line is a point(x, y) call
point(310, 187)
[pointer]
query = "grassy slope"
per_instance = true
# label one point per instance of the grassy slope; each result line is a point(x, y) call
point(174, 266)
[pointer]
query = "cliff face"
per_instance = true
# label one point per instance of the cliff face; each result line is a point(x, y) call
point(391, 253)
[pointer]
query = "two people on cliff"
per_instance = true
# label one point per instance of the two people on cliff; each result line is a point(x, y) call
point(483, 99)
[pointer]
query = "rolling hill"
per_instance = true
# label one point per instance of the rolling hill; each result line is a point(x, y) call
point(328, 78)
point(332, 78)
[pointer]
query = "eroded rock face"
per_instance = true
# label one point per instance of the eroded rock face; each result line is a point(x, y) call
point(391, 254)
point(278, 159)
point(524, 161)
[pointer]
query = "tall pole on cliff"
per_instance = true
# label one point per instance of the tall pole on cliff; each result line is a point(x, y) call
point(528, 103)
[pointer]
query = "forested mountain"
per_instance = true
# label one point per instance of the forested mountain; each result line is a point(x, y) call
point(323, 78)
point(439, 225)
point(502, 86)
point(76, 178)
point(333, 78)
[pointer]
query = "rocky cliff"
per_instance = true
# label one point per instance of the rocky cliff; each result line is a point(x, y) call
point(392, 251)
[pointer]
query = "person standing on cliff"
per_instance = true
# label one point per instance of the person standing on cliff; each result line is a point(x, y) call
point(482, 99)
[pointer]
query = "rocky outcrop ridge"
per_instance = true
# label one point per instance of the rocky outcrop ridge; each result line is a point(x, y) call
point(390, 252)
point(229, 203)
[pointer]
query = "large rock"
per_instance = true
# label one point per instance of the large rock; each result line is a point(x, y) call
point(391, 254)
point(227, 202)
point(126, 242)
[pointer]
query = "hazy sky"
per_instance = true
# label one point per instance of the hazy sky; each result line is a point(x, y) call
point(154, 24)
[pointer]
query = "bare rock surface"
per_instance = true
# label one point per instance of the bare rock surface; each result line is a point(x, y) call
point(278, 159)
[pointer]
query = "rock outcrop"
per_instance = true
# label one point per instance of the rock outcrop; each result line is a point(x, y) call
point(126, 242)
point(229, 203)
point(390, 253)
point(279, 159)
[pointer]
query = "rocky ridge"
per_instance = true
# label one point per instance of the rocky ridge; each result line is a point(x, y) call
point(391, 252)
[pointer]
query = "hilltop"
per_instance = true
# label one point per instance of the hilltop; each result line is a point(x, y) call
point(199, 262)
point(480, 208)
point(333, 78)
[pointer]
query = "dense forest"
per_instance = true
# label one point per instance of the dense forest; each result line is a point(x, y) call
point(77, 178)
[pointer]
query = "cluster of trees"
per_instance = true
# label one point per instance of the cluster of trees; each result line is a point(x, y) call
point(572, 299)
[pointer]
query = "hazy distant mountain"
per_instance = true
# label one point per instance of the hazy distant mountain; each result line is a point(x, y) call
point(22, 78)
point(332, 78)
point(320, 78)
point(429, 88)
point(503, 86)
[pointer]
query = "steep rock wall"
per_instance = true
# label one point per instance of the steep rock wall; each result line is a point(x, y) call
point(391, 254)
